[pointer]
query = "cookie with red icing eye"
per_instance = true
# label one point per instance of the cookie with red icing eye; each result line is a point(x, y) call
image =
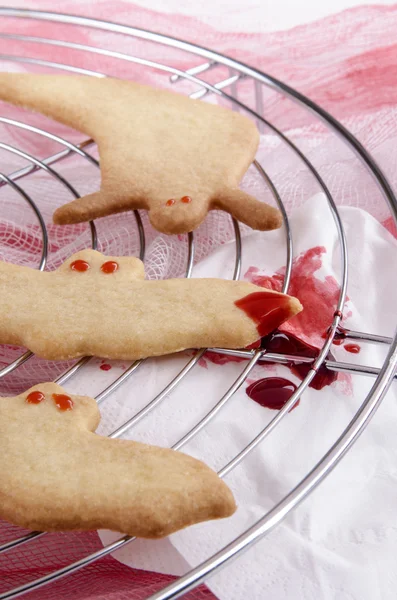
point(103, 306)
point(56, 474)
point(176, 157)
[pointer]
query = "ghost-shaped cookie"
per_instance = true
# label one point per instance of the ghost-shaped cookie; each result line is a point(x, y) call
point(56, 474)
point(174, 156)
point(103, 306)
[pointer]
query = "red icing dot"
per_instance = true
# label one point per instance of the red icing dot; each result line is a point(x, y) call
point(105, 367)
point(109, 267)
point(35, 397)
point(186, 199)
point(170, 202)
point(80, 266)
point(63, 401)
point(283, 342)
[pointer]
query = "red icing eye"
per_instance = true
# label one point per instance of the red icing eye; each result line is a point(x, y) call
point(80, 266)
point(63, 401)
point(170, 202)
point(35, 397)
point(109, 267)
point(186, 199)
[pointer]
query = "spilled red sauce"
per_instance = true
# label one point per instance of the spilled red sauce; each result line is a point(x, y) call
point(318, 296)
point(218, 359)
point(339, 337)
point(186, 199)
point(105, 367)
point(272, 392)
point(390, 225)
point(254, 345)
point(170, 202)
point(304, 333)
point(353, 348)
point(283, 342)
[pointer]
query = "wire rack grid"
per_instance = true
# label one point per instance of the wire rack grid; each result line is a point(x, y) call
point(204, 62)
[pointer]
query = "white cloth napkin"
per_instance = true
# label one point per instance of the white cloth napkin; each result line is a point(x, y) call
point(342, 542)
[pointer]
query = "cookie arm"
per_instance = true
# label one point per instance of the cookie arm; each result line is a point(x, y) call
point(119, 190)
point(248, 210)
point(93, 206)
point(65, 99)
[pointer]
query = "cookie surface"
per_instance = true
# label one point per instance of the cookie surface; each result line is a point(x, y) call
point(174, 156)
point(99, 305)
point(60, 476)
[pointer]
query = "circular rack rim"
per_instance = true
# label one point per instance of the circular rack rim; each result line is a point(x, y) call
point(384, 376)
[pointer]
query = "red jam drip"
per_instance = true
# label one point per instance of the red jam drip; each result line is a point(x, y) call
point(63, 401)
point(266, 309)
point(254, 345)
point(80, 266)
point(186, 199)
point(272, 392)
point(105, 367)
point(109, 267)
point(339, 337)
point(35, 397)
point(281, 342)
point(353, 348)
point(170, 202)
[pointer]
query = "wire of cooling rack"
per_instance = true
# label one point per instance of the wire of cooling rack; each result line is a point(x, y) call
point(383, 377)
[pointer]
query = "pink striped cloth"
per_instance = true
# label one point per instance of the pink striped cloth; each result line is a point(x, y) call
point(348, 64)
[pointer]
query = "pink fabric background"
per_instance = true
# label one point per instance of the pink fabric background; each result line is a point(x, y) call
point(348, 64)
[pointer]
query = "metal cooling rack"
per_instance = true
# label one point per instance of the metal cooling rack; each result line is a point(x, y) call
point(203, 61)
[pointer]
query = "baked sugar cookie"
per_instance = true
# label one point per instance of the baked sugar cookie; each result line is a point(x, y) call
point(57, 475)
point(97, 305)
point(174, 156)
